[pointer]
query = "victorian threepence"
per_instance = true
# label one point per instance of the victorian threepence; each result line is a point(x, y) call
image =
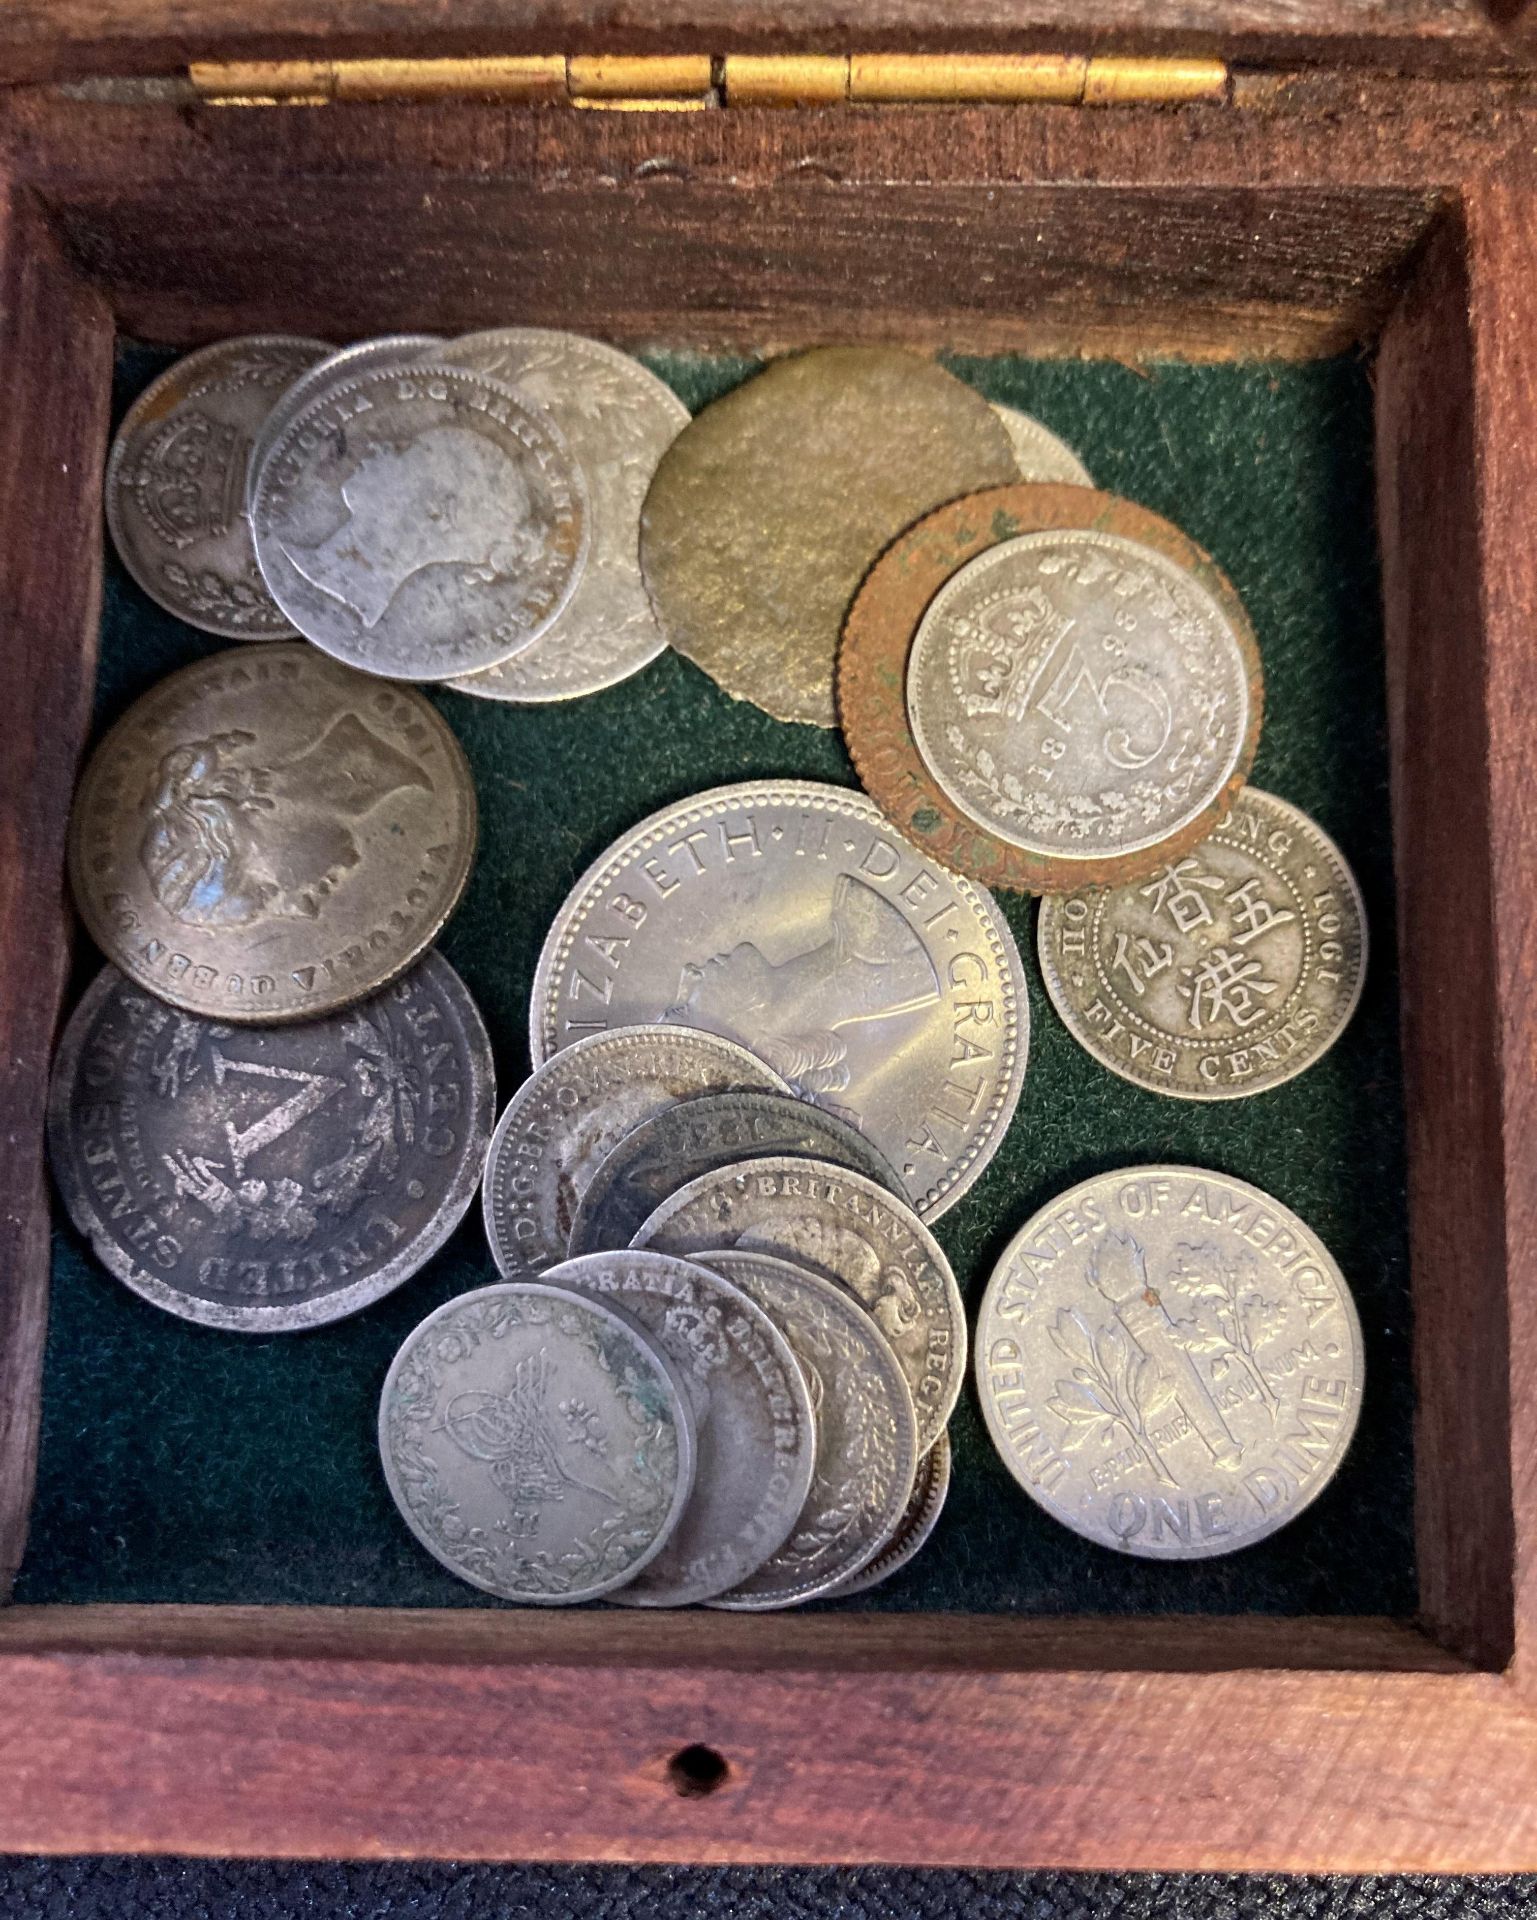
point(176, 483)
point(769, 507)
point(271, 1179)
point(754, 1428)
point(716, 1130)
point(1169, 1362)
point(618, 420)
point(848, 1229)
point(538, 1443)
point(914, 1530)
point(866, 1437)
point(267, 836)
point(562, 1122)
point(1224, 972)
point(793, 918)
point(420, 521)
point(1038, 453)
point(1078, 694)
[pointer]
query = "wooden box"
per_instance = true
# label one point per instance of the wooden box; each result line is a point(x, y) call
point(1375, 182)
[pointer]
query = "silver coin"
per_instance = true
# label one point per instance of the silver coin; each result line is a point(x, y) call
point(1042, 457)
point(1223, 973)
point(794, 918)
point(866, 1433)
point(537, 1442)
point(753, 1420)
point(716, 1130)
point(269, 1179)
point(1078, 694)
point(618, 420)
point(914, 1530)
point(563, 1121)
point(848, 1229)
point(176, 478)
point(389, 350)
point(1169, 1362)
point(420, 521)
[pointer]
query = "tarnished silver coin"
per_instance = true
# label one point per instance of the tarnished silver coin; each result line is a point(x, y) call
point(716, 1130)
point(267, 836)
point(561, 1124)
point(388, 350)
point(848, 1229)
point(176, 482)
point(753, 1421)
point(915, 1528)
point(618, 420)
point(420, 521)
point(270, 1179)
point(1040, 455)
point(866, 1434)
point(1223, 973)
point(1169, 1362)
point(1080, 694)
point(792, 917)
point(537, 1442)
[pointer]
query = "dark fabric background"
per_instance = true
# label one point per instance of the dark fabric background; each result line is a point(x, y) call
point(170, 1889)
point(180, 1463)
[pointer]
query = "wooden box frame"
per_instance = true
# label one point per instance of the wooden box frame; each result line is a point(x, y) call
point(1295, 217)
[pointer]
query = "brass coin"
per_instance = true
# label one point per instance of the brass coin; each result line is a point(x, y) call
point(873, 670)
point(268, 835)
point(768, 509)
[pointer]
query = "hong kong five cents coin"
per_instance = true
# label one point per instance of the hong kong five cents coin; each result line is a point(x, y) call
point(791, 917)
point(1169, 1362)
point(1049, 688)
point(716, 1130)
point(420, 521)
point(769, 507)
point(271, 1179)
point(1225, 971)
point(268, 836)
point(848, 1229)
point(1040, 456)
point(538, 1443)
point(618, 420)
point(176, 481)
point(866, 1434)
point(914, 1530)
point(753, 1419)
point(562, 1122)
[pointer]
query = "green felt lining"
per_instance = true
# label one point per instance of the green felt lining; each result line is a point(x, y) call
point(180, 1464)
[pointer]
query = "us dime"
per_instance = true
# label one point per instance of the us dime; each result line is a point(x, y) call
point(420, 521)
point(271, 1179)
point(562, 1122)
point(793, 918)
point(268, 836)
point(914, 1529)
point(1169, 1362)
point(176, 479)
point(769, 507)
point(618, 420)
point(1038, 453)
point(866, 1435)
point(716, 1130)
point(848, 1229)
point(538, 1443)
point(1226, 971)
point(1079, 694)
point(752, 1418)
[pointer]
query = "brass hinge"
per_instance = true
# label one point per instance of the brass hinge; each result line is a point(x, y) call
point(682, 83)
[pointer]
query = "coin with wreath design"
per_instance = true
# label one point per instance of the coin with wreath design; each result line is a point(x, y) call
point(538, 1444)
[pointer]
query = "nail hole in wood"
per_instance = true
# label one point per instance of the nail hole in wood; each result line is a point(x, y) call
point(696, 1769)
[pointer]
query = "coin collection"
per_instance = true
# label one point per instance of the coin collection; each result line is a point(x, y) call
point(777, 1029)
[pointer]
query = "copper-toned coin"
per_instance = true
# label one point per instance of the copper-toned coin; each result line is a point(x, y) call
point(269, 836)
point(1110, 647)
point(767, 510)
